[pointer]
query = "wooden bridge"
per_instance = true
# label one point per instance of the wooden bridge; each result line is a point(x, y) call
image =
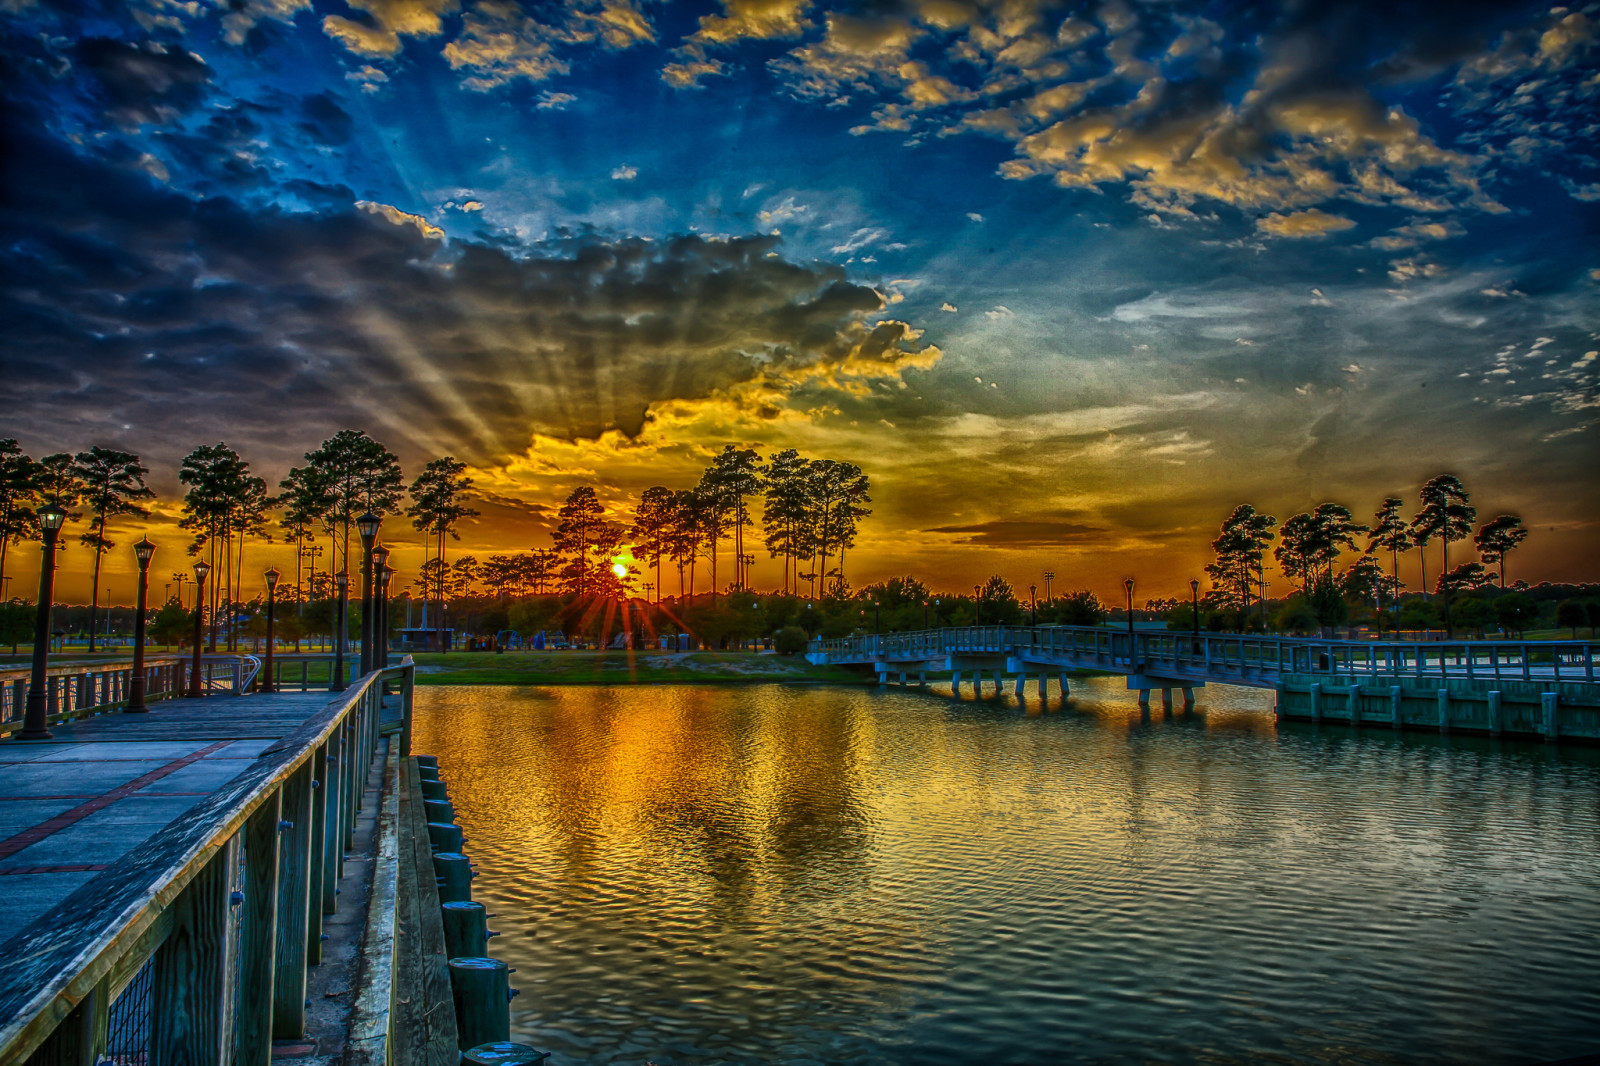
point(1541, 688)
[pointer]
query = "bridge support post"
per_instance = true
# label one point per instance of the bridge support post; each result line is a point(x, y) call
point(1396, 714)
point(902, 679)
point(1044, 680)
point(1188, 698)
point(1066, 690)
point(1316, 701)
point(922, 679)
point(1280, 706)
point(999, 683)
point(1144, 699)
point(1444, 710)
point(1166, 700)
point(1022, 683)
point(1547, 704)
point(955, 682)
point(1355, 704)
point(1494, 713)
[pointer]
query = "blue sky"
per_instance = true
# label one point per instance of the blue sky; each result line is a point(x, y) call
point(1068, 280)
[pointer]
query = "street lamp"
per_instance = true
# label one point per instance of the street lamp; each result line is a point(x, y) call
point(196, 683)
point(1049, 576)
point(272, 576)
point(367, 525)
point(977, 605)
point(380, 606)
point(1194, 605)
point(50, 518)
point(1127, 586)
point(1033, 605)
point(336, 682)
point(141, 551)
point(876, 628)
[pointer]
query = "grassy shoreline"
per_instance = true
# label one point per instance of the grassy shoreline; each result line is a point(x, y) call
point(625, 668)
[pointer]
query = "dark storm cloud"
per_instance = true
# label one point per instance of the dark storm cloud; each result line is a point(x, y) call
point(134, 313)
point(144, 82)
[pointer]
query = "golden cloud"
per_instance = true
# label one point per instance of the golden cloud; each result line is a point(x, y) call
point(1312, 223)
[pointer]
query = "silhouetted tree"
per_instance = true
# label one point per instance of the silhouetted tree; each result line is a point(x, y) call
point(1497, 538)
point(1446, 514)
point(360, 475)
point(438, 504)
point(112, 483)
point(1240, 549)
point(19, 489)
point(652, 527)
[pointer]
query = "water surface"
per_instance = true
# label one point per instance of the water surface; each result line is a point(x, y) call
point(766, 874)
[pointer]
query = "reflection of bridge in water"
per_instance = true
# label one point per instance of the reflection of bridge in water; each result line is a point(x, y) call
point(1542, 688)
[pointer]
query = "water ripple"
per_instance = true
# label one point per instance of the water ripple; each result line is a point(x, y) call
point(770, 875)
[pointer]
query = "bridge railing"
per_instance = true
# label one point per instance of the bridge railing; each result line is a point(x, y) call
point(82, 689)
point(196, 942)
point(1229, 655)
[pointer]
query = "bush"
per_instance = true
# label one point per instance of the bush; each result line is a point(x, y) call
point(790, 640)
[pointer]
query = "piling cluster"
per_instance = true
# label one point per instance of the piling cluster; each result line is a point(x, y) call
point(480, 986)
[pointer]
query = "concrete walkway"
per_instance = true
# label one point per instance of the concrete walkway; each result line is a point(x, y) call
point(72, 806)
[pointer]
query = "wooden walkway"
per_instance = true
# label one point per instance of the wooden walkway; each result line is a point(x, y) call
point(72, 806)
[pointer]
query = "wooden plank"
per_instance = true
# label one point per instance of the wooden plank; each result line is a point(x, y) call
point(319, 816)
point(427, 1020)
point(372, 1016)
point(294, 897)
point(258, 945)
point(186, 1010)
point(332, 843)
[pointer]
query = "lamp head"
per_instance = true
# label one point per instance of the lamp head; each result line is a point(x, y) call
point(143, 551)
point(1127, 585)
point(1194, 586)
point(342, 579)
point(367, 525)
point(272, 576)
point(201, 570)
point(380, 555)
point(50, 517)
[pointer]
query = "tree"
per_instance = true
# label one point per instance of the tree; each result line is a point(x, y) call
point(218, 480)
point(1464, 578)
point(1240, 548)
point(686, 536)
point(783, 516)
point(1571, 614)
point(360, 475)
point(19, 488)
point(171, 624)
point(1445, 514)
point(1514, 611)
point(112, 483)
point(735, 473)
point(438, 504)
point(837, 494)
point(16, 623)
point(1311, 543)
point(653, 523)
point(306, 499)
point(578, 525)
point(1498, 537)
point(998, 601)
point(1390, 533)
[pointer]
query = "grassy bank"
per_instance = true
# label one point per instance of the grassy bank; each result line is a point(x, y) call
point(623, 668)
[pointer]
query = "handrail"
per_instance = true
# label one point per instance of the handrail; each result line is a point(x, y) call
point(1230, 655)
point(126, 915)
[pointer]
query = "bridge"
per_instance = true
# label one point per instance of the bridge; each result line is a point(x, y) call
point(1540, 688)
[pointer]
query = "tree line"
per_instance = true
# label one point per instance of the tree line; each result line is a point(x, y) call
point(1310, 546)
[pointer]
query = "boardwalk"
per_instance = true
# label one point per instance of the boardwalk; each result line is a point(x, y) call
point(71, 806)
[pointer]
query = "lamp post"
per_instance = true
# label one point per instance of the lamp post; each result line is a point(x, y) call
point(367, 525)
point(977, 605)
point(381, 622)
point(272, 576)
point(1127, 586)
point(380, 607)
point(1194, 605)
point(876, 627)
point(196, 682)
point(1033, 605)
point(336, 682)
point(924, 614)
point(1049, 576)
point(141, 551)
point(33, 728)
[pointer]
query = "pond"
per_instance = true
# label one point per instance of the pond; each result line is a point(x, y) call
point(786, 874)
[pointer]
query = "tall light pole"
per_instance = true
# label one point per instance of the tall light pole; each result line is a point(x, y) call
point(1049, 576)
point(272, 575)
point(924, 614)
point(341, 582)
point(367, 525)
point(380, 606)
point(50, 518)
point(196, 682)
point(977, 605)
point(141, 551)
point(1127, 586)
point(1033, 604)
point(1194, 605)
point(876, 627)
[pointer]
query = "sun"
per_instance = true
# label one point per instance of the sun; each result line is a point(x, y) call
point(620, 570)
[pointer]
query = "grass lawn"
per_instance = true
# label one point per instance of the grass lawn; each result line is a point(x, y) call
point(621, 668)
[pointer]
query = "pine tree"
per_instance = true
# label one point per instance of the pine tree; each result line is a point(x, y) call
point(112, 483)
point(438, 505)
point(1498, 537)
point(578, 525)
point(19, 492)
point(360, 475)
point(1446, 514)
point(652, 527)
point(1240, 549)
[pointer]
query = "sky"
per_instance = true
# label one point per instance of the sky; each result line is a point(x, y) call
point(1068, 281)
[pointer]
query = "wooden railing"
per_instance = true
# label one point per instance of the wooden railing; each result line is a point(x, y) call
point(75, 691)
point(217, 915)
point(1247, 659)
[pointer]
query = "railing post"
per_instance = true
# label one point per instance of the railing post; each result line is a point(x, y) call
point(321, 795)
point(259, 935)
point(332, 842)
point(188, 993)
point(294, 896)
point(408, 687)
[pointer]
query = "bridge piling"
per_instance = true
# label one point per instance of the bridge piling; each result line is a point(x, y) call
point(955, 682)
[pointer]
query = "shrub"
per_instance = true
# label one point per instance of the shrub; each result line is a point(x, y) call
point(790, 640)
